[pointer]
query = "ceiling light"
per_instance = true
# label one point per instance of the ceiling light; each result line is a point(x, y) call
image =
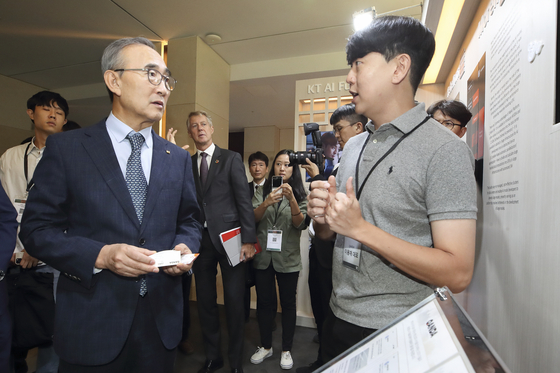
point(363, 18)
point(213, 38)
point(446, 26)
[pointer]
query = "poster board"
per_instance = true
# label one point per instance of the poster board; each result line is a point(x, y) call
point(436, 335)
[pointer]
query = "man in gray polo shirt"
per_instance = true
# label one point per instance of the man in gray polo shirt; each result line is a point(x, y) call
point(403, 208)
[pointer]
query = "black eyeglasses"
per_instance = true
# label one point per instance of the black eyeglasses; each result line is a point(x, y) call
point(155, 77)
point(450, 124)
point(340, 128)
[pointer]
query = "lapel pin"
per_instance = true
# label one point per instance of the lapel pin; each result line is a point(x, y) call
point(217, 161)
point(168, 152)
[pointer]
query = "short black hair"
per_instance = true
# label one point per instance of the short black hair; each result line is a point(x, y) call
point(48, 98)
point(348, 113)
point(391, 36)
point(258, 156)
point(452, 108)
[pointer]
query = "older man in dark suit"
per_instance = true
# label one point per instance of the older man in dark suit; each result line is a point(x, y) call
point(105, 199)
point(225, 203)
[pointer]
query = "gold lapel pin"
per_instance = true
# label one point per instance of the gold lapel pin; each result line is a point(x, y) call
point(168, 152)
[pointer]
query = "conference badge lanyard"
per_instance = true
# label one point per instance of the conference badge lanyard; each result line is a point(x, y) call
point(274, 237)
point(352, 248)
point(19, 201)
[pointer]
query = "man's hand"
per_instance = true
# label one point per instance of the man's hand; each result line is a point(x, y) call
point(171, 138)
point(311, 168)
point(322, 192)
point(27, 261)
point(247, 252)
point(126, 260)
point(344, 215)
point(180, 268)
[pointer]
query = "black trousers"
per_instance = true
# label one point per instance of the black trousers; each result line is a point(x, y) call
point(341, 335)
point(266, 304)
point(320, 289)
point(233, 279)
point(187, 281)
point(143, 351)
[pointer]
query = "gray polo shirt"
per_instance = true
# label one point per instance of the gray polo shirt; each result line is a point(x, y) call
point(428, 177)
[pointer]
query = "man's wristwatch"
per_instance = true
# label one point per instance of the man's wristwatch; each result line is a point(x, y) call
point(2, 275)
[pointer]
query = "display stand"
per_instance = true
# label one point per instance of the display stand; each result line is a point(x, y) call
point(436, 335)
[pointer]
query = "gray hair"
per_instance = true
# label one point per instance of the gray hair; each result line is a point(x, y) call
point(112, 56)
point(198, 112)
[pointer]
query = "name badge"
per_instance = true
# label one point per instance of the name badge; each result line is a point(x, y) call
point(351, 254)
point(274, 240)
point(19, 204)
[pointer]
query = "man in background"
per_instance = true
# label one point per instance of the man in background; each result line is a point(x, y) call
point(225, 204)
point(452, 114)
point(346, 124)
point(48, 112)
point(258, 168)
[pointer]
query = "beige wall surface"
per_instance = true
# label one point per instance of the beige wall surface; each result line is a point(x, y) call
point(203, 84)
point(513, 296)
point(15, 125)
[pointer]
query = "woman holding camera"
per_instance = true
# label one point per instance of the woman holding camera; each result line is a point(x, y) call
point(280, 215)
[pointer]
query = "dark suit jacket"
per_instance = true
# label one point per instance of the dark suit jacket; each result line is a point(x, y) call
point(80, 202)
point(225, 200)
point(8, 229)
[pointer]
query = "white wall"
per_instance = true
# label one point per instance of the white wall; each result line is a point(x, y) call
point(514, 295)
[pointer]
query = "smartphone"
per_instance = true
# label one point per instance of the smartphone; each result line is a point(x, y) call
point(277, 182)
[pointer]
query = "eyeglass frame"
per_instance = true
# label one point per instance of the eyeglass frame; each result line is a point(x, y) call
point(161, 77)
point(335, 130)
point(450, 124)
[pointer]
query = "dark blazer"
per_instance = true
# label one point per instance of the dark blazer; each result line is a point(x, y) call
point(80, 202)
point(225, 201)
point(8, 231)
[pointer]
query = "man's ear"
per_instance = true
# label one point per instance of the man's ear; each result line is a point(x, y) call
point(31, 114)
point(359, 127)
point(402, 68)
point(113, 82)
point(462, 132)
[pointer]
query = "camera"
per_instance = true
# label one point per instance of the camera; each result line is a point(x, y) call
point(315, 155)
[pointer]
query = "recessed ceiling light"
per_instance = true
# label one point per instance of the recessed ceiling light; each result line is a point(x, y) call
point(213, 38)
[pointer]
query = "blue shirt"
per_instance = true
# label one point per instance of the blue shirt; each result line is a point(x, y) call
point(117, 132)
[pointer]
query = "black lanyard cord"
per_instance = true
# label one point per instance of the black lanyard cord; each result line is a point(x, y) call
point(25, 167)
point(359, 193)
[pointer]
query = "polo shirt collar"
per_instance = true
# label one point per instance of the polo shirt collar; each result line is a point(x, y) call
point(406, 122)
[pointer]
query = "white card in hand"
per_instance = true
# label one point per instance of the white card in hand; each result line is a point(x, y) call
point(167, 258)
point(188, 258)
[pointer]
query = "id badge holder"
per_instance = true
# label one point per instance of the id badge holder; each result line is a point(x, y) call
point(274, 240)
point(351, 254)
point(19, 204)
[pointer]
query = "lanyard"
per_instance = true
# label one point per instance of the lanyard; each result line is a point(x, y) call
point(25, 168)
point(359, 193)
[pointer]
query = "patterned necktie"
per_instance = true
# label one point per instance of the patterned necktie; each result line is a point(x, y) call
point(137, 185)
point(203, 168)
